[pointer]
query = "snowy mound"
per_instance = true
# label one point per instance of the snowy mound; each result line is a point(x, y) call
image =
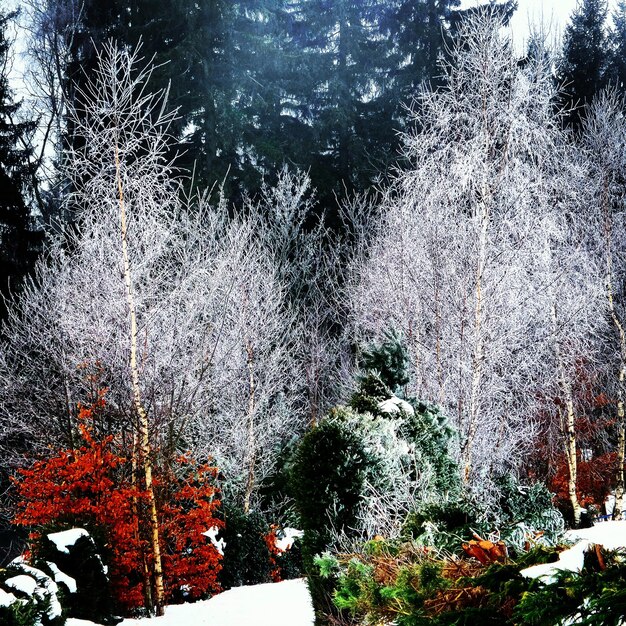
point(611, 535)
point(65, 539)
point(273, 604)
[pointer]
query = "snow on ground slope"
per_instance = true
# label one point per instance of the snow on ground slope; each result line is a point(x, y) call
point(274, 604)
point(611, 535)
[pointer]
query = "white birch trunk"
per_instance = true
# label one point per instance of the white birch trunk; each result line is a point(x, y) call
point(144, 432)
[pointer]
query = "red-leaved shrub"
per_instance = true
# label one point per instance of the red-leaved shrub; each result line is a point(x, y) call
point(92, 486)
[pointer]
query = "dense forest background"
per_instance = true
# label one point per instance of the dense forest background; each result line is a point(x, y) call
point(323, 87)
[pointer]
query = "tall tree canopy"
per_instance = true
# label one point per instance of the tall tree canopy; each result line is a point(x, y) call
point(16, 228)
point(319, 85)
point(617, 62)
point(585, 56)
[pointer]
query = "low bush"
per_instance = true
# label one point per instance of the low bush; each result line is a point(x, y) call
point(251, 554)
point(29, 597)
point(410, 585)
point(523, 516)
point(246, 555)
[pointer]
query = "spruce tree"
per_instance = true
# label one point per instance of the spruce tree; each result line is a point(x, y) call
point(389, 360)
point(341, 60)
point(585, 57)
point(222, 63)
point(418, 31)
point(616, 73)
point(16, 228)
point(498, 10)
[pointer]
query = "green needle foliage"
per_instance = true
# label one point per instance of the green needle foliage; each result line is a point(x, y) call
point(411, 586)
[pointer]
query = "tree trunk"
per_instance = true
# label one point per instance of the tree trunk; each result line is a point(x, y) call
point(568, 427)
point(251, 455)
point(621, 425)
point(570, 453)
point(144, 433)
point(147, 584)
point(478, 352)
point(619, 482)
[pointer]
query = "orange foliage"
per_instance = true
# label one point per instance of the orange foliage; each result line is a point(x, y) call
point(593, 480)
point(485, 552)
point(596, 465)
point(190, 560)
point(275, 551)
point(91, 486)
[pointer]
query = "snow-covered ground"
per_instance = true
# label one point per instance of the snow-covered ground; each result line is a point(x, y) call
point(611, 535)
point(287, 603)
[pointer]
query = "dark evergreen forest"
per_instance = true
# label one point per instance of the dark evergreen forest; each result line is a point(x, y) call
point(323, 86)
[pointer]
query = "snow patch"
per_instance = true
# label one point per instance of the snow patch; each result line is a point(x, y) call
point(287, 603)
point(46, 587)
point(7, 599)
point(571, 560)
point(610, 535)
point(61, 577)
point(66, 538)
point(24, 583)
point(395, 405)
point(289, 536)
point(219, 544)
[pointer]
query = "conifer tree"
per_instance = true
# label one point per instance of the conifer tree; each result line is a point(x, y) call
point(222, 65)
point(16, 228)
point(617, 62)
point(389, 359)
point(418, 30)
point(585, 56)
point(340, 53)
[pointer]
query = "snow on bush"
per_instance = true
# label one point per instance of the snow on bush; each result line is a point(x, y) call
point(66, 538)
point(28, 593)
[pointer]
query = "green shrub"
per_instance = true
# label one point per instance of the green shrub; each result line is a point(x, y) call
point(524, 510)
point(408, 585)
point(521, 515)
point(362, 467)
point(369, 394)
point(594, 597)
point(21, 614)
point(326, 483)
point(388, 359)
point(356, 588)
point(428, 429)
point(246, 555)
point(42, 608)
point(443, 525)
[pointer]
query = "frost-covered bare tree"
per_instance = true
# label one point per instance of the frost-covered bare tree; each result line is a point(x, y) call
point(301, 250)
point(453, 263)
point(253, 374)
point(213, 331)
point(51, 29)
point(604, 138)
point(568, 309)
